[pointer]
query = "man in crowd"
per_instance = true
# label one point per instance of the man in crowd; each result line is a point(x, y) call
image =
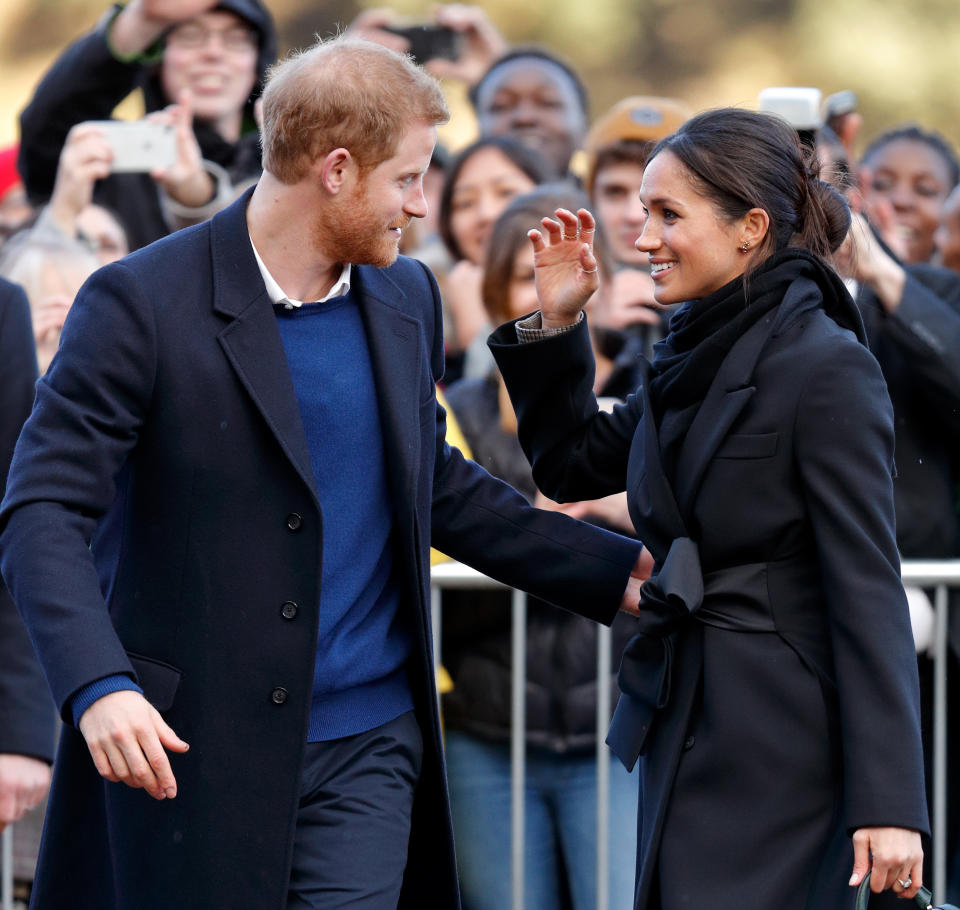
point(217, 528)
point(538, 99)
point(617, 148)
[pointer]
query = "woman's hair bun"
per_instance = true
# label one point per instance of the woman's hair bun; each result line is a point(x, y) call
point(830, 216)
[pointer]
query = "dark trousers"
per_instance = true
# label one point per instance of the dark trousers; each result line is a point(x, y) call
point(353, 825)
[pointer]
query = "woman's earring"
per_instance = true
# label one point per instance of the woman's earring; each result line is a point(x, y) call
point(744, 246)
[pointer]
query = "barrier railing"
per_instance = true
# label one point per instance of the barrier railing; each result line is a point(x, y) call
point(940, 575)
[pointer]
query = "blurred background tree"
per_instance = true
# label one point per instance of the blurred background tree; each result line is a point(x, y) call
point(897, 55)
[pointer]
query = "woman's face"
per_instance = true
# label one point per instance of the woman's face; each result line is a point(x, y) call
point(485, 185)
point(693, 249)
point(522, 294)
point(915, 180)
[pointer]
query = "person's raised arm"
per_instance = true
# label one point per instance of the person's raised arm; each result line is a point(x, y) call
point(141, 22)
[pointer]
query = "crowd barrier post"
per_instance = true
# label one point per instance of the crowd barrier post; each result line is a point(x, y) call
point(6, 873)
point(942, 575)
point(518, 744)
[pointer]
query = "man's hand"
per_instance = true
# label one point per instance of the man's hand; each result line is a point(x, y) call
point(629, 301)
point(481, 40)
point(897, 857)
point(638, 575)
point(126, 736)
point(24, 782)
point(371, 25)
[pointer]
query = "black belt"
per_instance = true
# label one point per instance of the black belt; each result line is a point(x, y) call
point(734, 598)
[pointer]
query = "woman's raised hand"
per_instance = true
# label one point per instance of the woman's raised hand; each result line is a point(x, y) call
point(565, 268)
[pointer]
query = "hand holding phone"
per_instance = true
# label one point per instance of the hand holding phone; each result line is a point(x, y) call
point(428, 42)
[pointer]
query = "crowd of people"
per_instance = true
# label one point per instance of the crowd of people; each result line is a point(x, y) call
point(65, 213)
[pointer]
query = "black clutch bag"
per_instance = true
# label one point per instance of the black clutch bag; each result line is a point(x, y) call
point(923, 898)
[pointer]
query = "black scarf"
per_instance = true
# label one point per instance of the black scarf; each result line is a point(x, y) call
point(703, 331)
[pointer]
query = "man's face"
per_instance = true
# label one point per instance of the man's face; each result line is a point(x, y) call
point(616, 203)
point(214, 55)
point(536, 103)
point(364, 223)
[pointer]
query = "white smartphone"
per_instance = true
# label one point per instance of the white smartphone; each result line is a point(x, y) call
point(139, 145)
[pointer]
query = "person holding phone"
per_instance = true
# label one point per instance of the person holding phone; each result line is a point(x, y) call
point(771, 697)
point(215, 51)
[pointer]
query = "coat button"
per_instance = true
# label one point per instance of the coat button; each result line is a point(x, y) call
point(289, 610)
point(294, 521)
point(278, 696)
point(688, 743)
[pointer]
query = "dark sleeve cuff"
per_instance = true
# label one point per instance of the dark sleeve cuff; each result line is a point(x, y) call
point(90, 693)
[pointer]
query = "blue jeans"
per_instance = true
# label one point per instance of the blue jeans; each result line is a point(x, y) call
point(561, 809)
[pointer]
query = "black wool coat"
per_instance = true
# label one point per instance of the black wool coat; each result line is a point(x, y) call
point(161, 510)
point(784, 713)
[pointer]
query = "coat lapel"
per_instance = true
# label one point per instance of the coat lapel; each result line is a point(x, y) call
point(653, 507)
point(730, 391)
point(251, 339)
point(394, 340)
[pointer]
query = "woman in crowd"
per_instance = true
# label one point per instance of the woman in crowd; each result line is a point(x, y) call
point(772, 692)
point(479, 183)
point(561, 658)
point(908, 174)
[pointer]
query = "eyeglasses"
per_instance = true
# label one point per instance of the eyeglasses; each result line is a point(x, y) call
point(236, 39)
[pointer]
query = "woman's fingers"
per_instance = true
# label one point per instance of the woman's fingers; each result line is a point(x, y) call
point(861, 856)
point(894, 857)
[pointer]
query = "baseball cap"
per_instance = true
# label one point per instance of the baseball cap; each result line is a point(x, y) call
point(644, 118)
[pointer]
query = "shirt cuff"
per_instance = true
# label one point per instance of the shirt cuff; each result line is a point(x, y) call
point(83, 698)
point(531, 328)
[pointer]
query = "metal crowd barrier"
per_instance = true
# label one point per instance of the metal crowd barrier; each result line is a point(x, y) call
point(940, 575)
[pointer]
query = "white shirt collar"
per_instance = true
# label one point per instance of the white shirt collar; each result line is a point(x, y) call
point(275, 292)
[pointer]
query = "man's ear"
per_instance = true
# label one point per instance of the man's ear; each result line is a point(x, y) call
point(335, 169)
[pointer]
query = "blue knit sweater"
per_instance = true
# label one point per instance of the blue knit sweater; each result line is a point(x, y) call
point(364, 641)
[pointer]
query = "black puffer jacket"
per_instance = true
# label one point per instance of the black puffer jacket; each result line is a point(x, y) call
point(87, 82)
point(561, 690)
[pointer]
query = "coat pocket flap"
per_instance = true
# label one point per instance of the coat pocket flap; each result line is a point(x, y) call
point(158, 680)
point(759, 445)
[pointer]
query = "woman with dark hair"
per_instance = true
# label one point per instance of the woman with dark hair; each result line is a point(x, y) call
point(478, 185)
point(561, 654)
point(771, 694)
point(911, 171)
